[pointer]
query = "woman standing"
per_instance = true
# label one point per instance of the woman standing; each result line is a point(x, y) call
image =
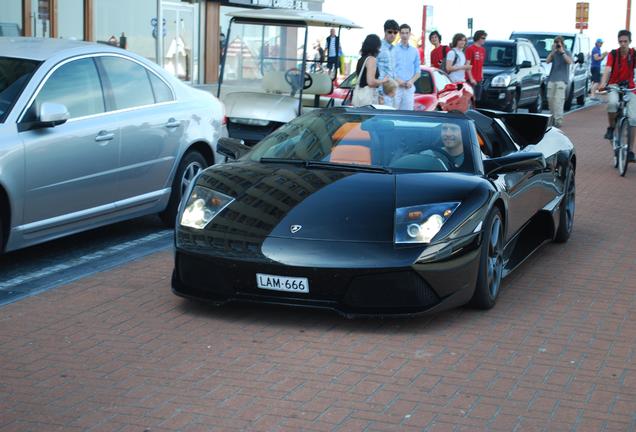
point(365, 92)
point(456, 64)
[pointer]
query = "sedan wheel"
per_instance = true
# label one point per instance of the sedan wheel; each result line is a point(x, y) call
point(491, 263)
point(537, 107)
point(190, 165)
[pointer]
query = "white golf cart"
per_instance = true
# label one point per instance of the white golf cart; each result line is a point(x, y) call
point(265, 79)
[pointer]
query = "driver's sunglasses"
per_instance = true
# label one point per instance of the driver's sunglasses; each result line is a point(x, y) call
point(623, 41)
point(392, 31)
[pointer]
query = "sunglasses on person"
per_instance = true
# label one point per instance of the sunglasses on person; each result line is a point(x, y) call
point(392, 31)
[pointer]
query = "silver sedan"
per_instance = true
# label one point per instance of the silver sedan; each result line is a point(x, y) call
point(90, 135)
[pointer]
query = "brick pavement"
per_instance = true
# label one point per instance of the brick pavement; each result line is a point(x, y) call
point(118, 352)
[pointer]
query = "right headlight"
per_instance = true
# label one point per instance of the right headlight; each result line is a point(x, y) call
point(419, 224)
point(502, 80)
point(203, 204)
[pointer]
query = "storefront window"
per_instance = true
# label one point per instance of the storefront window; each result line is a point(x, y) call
point(126, 23)
point(70, 19)
point(11, 18)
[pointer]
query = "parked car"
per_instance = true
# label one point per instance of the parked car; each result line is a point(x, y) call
point(90, 135)
point(513, 76)
point(369, 211)
point(434, 90)
point(579, 46)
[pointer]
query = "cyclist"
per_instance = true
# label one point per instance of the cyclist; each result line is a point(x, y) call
point(620, 67)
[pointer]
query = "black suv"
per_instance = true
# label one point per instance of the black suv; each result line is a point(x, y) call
point(513, 76)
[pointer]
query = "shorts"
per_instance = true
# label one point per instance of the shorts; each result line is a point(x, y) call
point(596, 74)
point(612, 106)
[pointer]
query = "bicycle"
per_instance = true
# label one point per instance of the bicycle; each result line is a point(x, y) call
point(621, 140)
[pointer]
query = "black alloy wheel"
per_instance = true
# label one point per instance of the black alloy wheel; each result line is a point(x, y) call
point(491, 262)
point(568, 207)
point(190, 165)
point(537, 106)
point(569, 98)
point(581, 99)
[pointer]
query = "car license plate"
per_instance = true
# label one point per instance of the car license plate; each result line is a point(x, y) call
point(282, 283)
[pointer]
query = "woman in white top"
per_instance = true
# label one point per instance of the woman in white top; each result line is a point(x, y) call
point(456, 64)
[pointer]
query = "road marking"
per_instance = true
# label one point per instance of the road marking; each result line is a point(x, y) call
point(60, 274)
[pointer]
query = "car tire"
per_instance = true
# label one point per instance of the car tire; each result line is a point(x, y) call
point(513, 107)
point(190, 165)
point(568, 206)
point(569, 99)
point(537, 106)
point(490, 262)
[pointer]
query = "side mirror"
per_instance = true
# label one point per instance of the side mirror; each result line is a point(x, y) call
point(52, 114)
point(515, 162)
point(233, 148)
point(525, 64)
point(580, 58)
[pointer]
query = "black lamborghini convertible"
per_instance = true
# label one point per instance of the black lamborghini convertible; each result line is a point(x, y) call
point(376, 212)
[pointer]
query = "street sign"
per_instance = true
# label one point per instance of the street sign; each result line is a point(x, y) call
point(582, 15)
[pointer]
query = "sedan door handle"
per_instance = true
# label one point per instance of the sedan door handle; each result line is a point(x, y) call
point(104, 136)
point(172, 123)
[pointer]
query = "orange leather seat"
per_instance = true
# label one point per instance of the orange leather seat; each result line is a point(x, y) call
point(351, 154)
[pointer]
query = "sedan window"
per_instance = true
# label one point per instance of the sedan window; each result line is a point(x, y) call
point(75, 85)
point(160, 89)
point(129, 83)
point(14, 74)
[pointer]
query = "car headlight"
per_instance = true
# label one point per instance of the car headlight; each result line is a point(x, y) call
point(419, 224)
point(502, 80)
point(203, 204)
point(249, 121)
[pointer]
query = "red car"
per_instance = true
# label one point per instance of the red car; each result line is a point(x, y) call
point(434, 90)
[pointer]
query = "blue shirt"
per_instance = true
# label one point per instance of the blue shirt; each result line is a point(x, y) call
point(596, 63)
point(386, 60)
point(407, 62)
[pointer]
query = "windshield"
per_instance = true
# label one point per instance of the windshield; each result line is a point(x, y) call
point(14, 75)
point(393, 142)
point(264, 58)
point(501, 55)
point(543, 42)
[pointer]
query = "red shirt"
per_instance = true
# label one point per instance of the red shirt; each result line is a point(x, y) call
point(476, 55)
point(437, 55)
point(623, 70)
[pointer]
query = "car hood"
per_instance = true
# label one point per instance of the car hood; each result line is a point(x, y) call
point(290, 202)
point(496, 70)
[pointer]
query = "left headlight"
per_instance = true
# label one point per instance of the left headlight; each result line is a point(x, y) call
point(502, 80)
point(203, 204)
point(419, 224)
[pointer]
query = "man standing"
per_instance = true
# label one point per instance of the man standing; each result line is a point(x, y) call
point(558, 80)
point(620, 67)
point(407, 70)
point(439, 51)
point(476, 55)
point(595, 67)
point(333, 48)
point(386, 57)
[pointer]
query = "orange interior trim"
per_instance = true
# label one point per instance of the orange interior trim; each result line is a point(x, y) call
point(350, 131)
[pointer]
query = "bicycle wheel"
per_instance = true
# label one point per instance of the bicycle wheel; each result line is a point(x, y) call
point(615, 144)
point(623, 146)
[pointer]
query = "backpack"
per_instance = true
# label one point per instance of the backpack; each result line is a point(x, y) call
point(616, 60)
point(445, 51)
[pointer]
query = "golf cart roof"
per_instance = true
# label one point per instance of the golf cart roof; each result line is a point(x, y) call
point(309, 18)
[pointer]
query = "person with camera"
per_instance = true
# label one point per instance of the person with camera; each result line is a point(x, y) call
point(620, 67)
point(559, 78)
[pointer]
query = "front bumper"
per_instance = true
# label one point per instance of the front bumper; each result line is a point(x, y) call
point(427, 285)
point(499, 98)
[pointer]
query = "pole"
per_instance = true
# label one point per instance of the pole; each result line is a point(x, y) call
point(424, 32)
point(159, 45)
point(629, 13)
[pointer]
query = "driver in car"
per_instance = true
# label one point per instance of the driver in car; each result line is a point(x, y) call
point(452, 152)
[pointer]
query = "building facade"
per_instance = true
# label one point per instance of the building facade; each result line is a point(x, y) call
point(184, 36)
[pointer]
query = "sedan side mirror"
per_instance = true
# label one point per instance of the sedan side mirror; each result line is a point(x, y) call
point(515, 162)
point(52, 114)
point(233, 148)
point(525, 64)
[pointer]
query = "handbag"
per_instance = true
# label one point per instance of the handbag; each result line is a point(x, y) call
point(363, 95)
